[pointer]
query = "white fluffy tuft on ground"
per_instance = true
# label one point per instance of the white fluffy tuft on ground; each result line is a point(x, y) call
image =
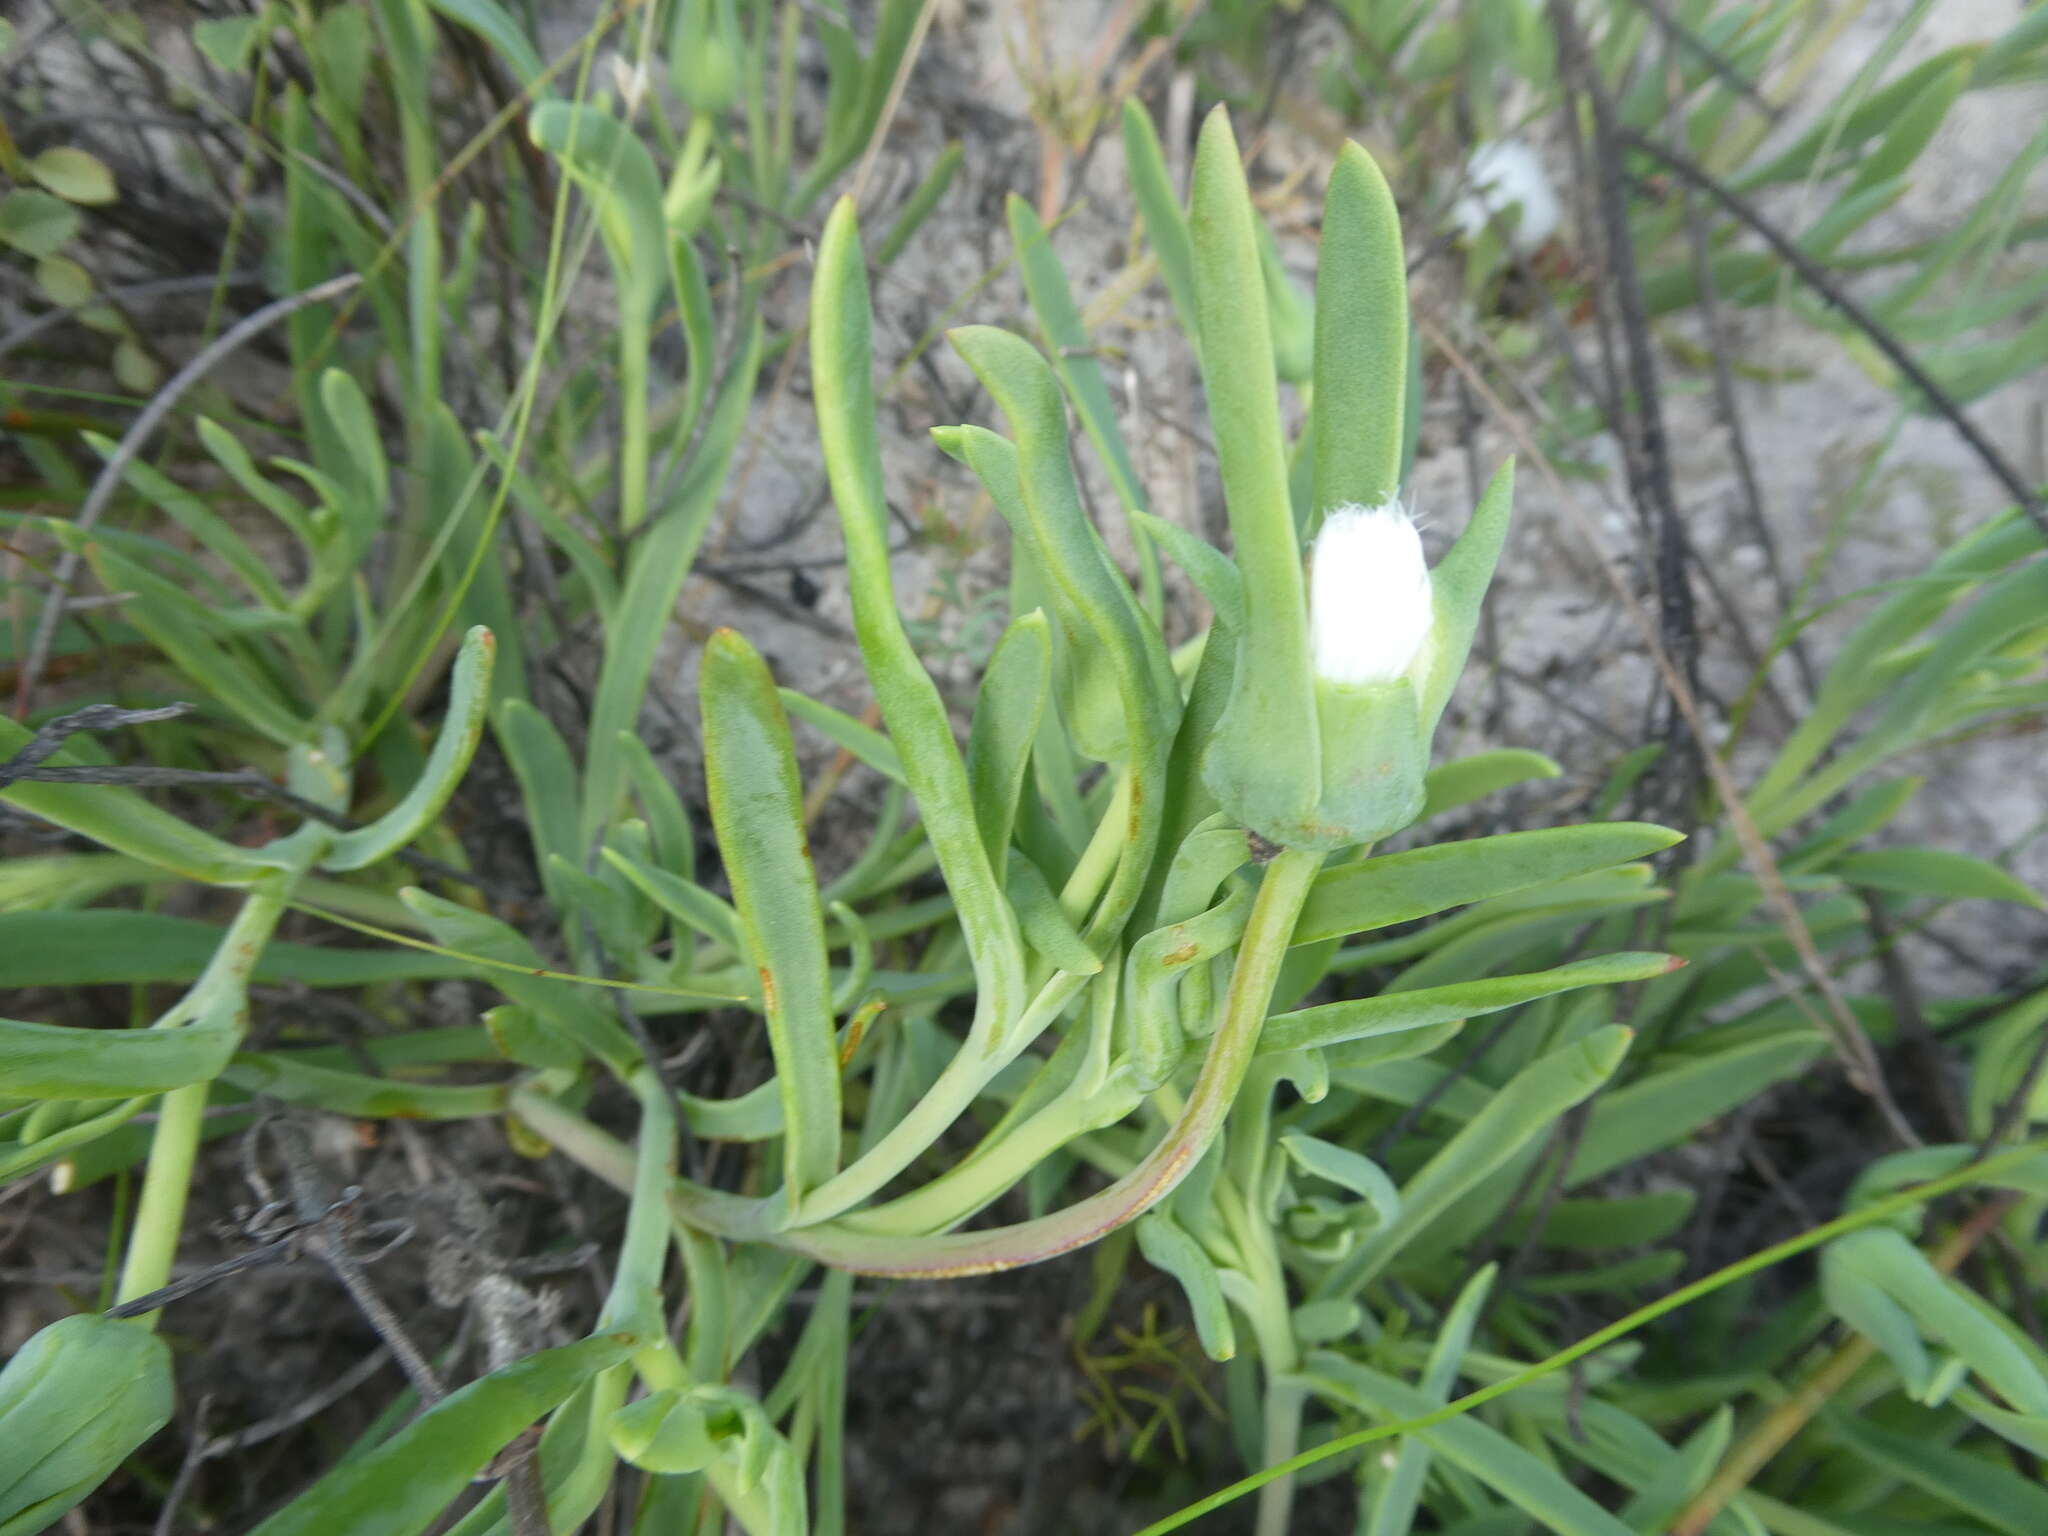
point(1507, 181)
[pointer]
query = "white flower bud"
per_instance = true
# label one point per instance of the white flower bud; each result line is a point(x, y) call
point(631, 83)
point(1369, 607)
point(1504, 177)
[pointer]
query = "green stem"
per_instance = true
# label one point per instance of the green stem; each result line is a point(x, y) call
point(635, 1300)
point(1267, 932)
point(992, 1168)
point(1272, 1319)
point(221, 990)
point(594, 1151)
point(1099, 858)
point(1284, 1406)
point(738, 1218)
point(160, 1213)
point(634, 435)
point(959, 1084)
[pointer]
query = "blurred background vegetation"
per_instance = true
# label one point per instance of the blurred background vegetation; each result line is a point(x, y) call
point(328, 330)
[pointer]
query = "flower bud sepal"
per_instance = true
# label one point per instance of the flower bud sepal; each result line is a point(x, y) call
point(1262, 766)
point(1347, 766)
point(1375, 752)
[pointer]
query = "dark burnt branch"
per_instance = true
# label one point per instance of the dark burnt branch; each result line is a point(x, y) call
point(1895, 353)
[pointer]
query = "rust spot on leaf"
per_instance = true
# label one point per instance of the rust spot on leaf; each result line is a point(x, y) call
point(1182, 955)
point(767, 988)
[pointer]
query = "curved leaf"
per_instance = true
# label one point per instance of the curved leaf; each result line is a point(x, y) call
point(1007, 715)
point(1167, 1246)
point(469, 697)
point(842, 367)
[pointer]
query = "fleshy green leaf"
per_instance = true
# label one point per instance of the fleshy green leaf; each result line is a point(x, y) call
point(1670, 1103)
point(1046, 928)
point(1469, 1444)
point(1166, 1245)
point(403, 1485)
point(1392, 1012)
point(757, 807)
point(1625, 1222)
point(282, 1075)
point(661, 562)
point(1361, 351)
point(356, 462)
point(684, 900)
point(1453, 784)
point(1394, 1497)
point(1007, 715)
point(562, 1005)
point(76, 1401)
point(1347, 1170)
point(1073, 358)
point(842, 369)
point(1273, 697)
point(1372, 893)
point(122, 820)
point(53, 1061)
point(1165, 226)
point(604, 158)
point(1980, 1486)
point(1945, 1310)
point(863, 741)
point(1523, 1109)
point(1934, 872)
point(494, 24)
point(547, 780)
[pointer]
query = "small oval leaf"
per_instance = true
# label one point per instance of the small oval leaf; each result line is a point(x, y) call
point(74, 175)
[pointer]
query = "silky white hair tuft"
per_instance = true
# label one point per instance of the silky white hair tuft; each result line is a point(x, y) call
point(1370, 606)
